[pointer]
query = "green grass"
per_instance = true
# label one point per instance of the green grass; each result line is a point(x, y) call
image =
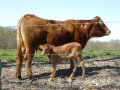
point(38, 56)
point(11, 54)
point(8, 53)
point(51, 86)
point(96, 53)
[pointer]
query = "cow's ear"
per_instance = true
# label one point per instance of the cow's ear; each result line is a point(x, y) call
point(97, 18)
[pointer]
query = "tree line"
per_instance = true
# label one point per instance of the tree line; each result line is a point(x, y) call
point(97, 45)
point(7, 38)
point(8, 41)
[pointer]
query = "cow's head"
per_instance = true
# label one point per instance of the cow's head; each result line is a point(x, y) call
point(99, 28)
point(46, 48)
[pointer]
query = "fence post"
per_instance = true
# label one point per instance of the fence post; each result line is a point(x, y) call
point(0, 73)
point(0, 67)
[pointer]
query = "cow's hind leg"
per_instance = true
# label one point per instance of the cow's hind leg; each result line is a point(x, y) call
point(28, 61)
point(19, 63)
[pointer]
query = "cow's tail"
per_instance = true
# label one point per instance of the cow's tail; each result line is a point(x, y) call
point(20, 42)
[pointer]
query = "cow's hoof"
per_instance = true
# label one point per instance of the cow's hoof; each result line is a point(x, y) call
point(31, 78)
point(18, 78)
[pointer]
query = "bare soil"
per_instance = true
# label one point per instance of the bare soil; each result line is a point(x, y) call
point(101, 74)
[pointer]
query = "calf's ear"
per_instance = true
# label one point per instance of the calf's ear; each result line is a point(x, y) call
point(40, 46)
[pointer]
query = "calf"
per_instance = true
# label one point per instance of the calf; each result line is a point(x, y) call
point(66, 52)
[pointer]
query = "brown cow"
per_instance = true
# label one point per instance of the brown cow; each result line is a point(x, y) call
point(66, 52)
point(33, 31)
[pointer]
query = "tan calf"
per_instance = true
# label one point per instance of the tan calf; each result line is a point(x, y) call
point(66, 52)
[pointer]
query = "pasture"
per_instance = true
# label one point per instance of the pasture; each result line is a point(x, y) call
point(102, 72)
point(10, 54)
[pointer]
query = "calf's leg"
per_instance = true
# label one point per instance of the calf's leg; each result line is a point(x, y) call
point(83, 68)
point(82, 65)
point(53, 70)
point(71, 64)
point(75, 62)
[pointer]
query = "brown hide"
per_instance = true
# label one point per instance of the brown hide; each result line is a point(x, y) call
point(59, 34)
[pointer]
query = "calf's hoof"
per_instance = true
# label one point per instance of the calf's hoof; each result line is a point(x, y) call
point(51, 79)
point(83, 76)
point(69, 80)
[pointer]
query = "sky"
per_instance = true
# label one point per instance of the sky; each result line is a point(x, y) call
point(109, 10)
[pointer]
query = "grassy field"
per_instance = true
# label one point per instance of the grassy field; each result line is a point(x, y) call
point(11, 54)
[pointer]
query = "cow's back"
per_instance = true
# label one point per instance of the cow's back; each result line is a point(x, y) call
point(34, 31)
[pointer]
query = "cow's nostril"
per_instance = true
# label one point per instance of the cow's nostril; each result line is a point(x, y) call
point(108, 32)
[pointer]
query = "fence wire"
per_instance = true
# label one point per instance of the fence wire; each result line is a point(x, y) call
point(62, 24)
point(48, 26)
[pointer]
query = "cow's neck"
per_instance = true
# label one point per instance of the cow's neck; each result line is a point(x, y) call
point(85, 35)
point(83, 42)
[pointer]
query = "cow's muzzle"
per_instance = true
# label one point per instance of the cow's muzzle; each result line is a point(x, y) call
point(108, 32)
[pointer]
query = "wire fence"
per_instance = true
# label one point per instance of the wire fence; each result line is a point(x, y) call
point(63, 24)
point(4, 40)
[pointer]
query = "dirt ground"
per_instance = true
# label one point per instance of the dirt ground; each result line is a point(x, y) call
point(101, 74)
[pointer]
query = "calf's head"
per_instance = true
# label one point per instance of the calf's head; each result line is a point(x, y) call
point(46, 48)
point(99, 28)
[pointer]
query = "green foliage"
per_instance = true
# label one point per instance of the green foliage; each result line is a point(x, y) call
point(51, 86)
